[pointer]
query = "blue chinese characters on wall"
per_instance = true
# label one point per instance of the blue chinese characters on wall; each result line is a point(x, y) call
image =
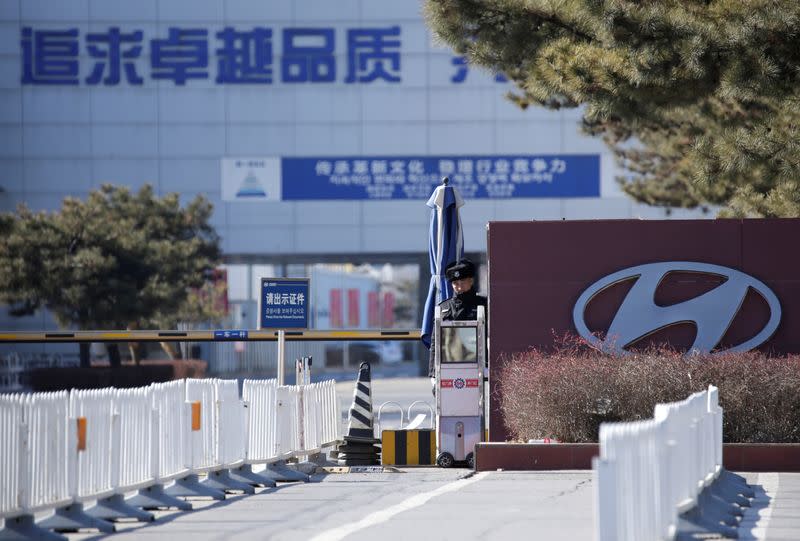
point(230, 56)
point(236, 56)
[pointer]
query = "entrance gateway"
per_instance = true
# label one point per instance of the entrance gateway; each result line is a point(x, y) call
point(460, 363)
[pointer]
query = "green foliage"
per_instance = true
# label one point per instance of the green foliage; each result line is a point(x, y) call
point(115, 260)
point(698, 99)
point(202, 305)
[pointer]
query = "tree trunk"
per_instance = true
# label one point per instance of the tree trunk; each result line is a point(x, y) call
point(135, 348)
point(113, 355)
point(86, 359)
point(172, 350)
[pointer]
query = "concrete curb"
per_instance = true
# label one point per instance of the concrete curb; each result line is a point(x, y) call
point(761, 457)
point(755, 457)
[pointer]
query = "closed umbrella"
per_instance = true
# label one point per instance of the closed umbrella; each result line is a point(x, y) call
point(445, 245)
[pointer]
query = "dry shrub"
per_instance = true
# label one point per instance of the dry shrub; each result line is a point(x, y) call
point(566, 394)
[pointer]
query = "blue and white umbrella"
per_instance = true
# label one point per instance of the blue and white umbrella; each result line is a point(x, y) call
point(445, 245)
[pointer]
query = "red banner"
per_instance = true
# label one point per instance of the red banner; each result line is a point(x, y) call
point(336, 308)
point(373, 315)
point(388, 310)
point(353, 312)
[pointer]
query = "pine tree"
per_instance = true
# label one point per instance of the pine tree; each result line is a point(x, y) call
point(697, 99)
point(113, 261)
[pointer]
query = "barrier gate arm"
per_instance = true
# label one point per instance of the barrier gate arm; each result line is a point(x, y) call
point(205, 336)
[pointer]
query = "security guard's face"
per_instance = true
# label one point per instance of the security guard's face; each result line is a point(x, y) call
point(463, 285)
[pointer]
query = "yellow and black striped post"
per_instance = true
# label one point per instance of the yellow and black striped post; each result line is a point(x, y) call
point(408, 447)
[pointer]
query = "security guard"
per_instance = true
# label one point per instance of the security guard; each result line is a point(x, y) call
point(463, 305)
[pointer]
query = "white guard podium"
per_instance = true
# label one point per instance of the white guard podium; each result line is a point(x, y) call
point(460, 359)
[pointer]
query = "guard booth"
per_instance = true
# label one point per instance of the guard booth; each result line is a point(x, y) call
point(460, 361)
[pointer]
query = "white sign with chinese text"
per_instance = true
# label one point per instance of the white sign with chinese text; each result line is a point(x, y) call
point(251, 179)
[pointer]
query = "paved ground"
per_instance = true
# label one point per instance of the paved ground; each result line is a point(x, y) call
point(431, 503)
point(775, 513)
point(427, 503)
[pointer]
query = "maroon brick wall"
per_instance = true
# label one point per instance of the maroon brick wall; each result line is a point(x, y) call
point(537, 271)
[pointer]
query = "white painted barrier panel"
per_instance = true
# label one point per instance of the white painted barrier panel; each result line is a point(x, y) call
point(95, 464)
point(12, 438)
point(716, 411)
point(651, 471)
point(332, 414)
point(319, 426)
point(51, 438)
point(202, 453)
point(682, 422)
point(634, 452)
point(261, 399)
point(231, 418)
point(135, 449)
point(312, 417)
point(171, 428)
point(288, 433)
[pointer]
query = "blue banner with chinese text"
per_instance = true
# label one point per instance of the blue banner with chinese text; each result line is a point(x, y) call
point(392, 177)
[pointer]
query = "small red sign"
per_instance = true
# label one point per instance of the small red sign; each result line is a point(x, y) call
point(447, 384)
point(472, 383)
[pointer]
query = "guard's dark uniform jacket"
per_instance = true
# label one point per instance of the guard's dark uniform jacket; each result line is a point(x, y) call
point(463, 307)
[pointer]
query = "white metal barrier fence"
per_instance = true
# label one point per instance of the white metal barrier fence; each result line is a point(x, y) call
point(649, 472)
point(261, 399)
point(93, 467)
point(134, 439)
point(288, 432)
point(170, 430)
point(36, 439)
point(232, 424)
point(202, 442)
point(69, 447)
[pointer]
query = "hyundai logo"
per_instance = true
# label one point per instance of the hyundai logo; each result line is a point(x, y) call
point(712, 312)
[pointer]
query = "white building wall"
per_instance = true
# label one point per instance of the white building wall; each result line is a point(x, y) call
point(67, 140)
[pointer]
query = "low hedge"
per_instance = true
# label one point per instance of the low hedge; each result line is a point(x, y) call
point(566, 394)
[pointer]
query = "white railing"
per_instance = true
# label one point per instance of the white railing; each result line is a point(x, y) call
point(202, 443)
point(43, 486)
point(70, 447)
point(260, 396)
point(288, 442)
point(650, 471)
point(171, 430)
point(321, 429)
point(36, 439)
point(12, 409)
point(135, 439)
point(92, 467)
point(232, 423)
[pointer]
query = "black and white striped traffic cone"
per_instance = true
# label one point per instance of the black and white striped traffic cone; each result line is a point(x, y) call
point(359, 447)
